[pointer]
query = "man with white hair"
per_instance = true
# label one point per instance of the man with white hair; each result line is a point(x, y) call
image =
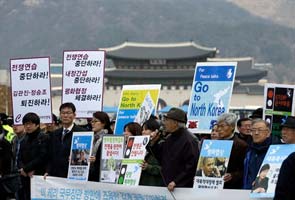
point(226, 123)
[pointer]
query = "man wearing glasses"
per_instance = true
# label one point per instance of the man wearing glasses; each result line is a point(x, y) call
point(256, 152)
point(60, 142)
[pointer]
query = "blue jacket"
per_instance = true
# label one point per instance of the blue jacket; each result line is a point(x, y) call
point(253, 160)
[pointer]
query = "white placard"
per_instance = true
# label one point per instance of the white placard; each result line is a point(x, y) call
point(60, 188)
point(30, 88)
point(83, 80)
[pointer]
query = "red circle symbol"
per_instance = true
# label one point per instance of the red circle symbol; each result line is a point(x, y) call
point(270, 94)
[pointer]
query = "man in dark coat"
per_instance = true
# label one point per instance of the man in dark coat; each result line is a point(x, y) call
point(60, 142)
point(5, 165)
point(233, 178)
point(33, 152)
point(285, 188)
point(178, 155)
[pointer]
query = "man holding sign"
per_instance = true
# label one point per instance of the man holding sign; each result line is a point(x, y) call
point(60, 142)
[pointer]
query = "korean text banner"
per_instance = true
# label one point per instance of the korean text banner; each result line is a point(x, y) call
point(30, 88)
point(83, 78)
point(211, 93)
point(212, 164)
point(80, 152)
point(278, 105)
point(267, 177)
point(137, 103)
point(60, 188)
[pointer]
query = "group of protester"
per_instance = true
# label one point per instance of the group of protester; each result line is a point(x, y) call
point(250, 145)
point(172, 154)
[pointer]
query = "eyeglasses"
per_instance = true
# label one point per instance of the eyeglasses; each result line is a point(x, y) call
point(94, 121)
point(258, 130)
point(66, 113)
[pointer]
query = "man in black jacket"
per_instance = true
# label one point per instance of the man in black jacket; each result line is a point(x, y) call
point(60, 142)
point(32, 154)
point(285, 188)
point(178, 155)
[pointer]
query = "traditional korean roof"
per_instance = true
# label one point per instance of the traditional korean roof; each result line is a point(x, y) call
point(245, 71)
point(150, 74)
point(144, 51)
point(253, 89)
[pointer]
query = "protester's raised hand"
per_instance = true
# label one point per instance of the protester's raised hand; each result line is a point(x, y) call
point(171, 186)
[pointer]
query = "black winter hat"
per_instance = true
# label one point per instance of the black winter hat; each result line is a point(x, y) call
point(176, 114)
point(257, 113)
point(289, 123)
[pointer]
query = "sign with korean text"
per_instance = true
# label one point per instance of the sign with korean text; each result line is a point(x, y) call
point(30, 88)
point(278, 105)
point(135, 152)
point(212, 164)
point(111, 158)
point(83, 78)
point(137, 103)
point(267, 177)
point(79, 157)
point(211, 93)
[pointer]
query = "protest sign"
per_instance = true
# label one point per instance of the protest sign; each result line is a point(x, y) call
point(267, 177)
point(79, 157)
point(83, 81)
point(130, 170)
point(30, 88)
point(111, 157)
point(278, 105)
point(212, 164)
point(60, 188)
point(211, 93)
point(137, 103)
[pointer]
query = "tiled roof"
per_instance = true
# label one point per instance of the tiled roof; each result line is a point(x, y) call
point(132, 50)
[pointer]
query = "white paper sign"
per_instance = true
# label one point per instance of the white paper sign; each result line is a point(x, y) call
point(30, 88)
point(83, 74)
point(60, 188)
